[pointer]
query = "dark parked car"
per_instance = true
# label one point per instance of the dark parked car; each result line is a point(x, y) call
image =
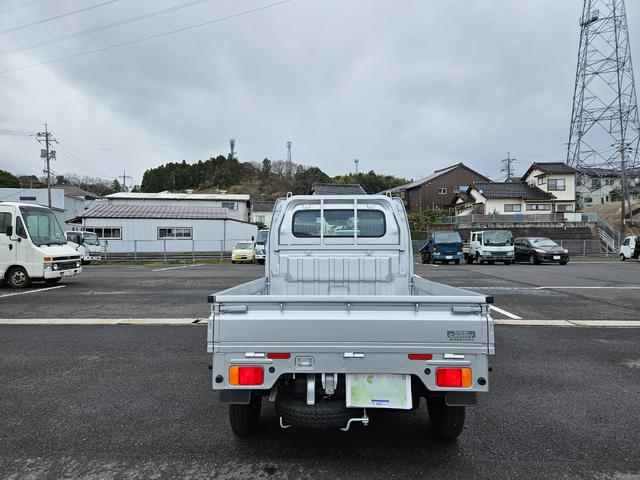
point(536, 250)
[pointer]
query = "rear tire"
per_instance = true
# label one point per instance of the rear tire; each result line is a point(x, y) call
point(245, 419)
point(457, 262)
point(446, 422)
point(533, 260)
point(17, 277)
point(622, 257)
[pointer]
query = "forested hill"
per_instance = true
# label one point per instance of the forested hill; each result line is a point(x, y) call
point(266, 180)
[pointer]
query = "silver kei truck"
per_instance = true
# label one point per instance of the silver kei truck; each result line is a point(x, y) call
point(340, 325)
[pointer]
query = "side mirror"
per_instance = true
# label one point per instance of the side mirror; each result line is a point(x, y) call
point(8, 231)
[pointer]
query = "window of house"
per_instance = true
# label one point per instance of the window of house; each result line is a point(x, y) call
point(339, 223)
point(512, 207)
point(542, 180)
point(230, 205)
point(442, 191)
point(538, 206)
point(564, 208)
point(107, 233)
point(174, 233)
point(588, 200)
point(595, 183)
point(557, 184)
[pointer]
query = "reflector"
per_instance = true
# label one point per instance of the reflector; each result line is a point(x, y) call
point(420, 356)
point(246, 375)
point(275, 356)
point(453, 377)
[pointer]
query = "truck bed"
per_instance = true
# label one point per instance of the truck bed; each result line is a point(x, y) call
point(435, 318)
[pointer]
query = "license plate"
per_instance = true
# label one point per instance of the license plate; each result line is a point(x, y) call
point(68, 273)
point(556, 257)
point(449, 257)
point(372, 390)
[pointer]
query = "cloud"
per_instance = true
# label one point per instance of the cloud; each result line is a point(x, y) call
point(406, 87)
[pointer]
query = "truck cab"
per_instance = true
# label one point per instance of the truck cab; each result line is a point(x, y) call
point(441, 246)
point(491, 246)
point(630, 248)
point(86, 244)
point(261, 245)
point(33, 246)
point(340, 325)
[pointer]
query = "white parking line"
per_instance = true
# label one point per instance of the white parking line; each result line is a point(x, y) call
point(505, 313)
point(174, 268)
point(560, 287)
point(571, 323)
point(427, 264)
point(26, 292)
point(102, 321)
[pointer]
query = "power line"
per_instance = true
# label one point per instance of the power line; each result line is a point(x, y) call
point(56, 17)
point(80, 163)
point(100, 28)
point(151, 37)
point(19, 6)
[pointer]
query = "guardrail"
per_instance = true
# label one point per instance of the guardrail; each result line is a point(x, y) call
point(521, 218)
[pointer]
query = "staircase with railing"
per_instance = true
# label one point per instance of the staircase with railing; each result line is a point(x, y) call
point(610, 237)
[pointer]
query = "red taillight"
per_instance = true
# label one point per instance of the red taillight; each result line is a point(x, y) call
point(246, 375)
point(420, 356)
point(453, 377)
point(278, 356)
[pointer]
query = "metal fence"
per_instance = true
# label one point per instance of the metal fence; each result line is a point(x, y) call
point(520, 218)
point(122, 250)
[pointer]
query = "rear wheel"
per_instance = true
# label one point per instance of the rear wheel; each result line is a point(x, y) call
point(533, 260)
point(457, 262)
point(245, 419)
point(622, 257)
point(446, 422)
point(17, 277)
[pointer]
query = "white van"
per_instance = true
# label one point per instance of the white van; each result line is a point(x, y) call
point(33, 246)
point(630, 248)
point(86, 244)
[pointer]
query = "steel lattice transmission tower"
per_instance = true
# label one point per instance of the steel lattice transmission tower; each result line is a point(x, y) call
point(605, 131)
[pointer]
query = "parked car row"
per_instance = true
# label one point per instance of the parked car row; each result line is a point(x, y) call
point(490, 246)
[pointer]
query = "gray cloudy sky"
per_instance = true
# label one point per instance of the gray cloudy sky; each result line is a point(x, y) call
point(405, 86)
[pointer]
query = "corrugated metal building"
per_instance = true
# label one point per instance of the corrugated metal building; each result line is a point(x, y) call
point(163, 228)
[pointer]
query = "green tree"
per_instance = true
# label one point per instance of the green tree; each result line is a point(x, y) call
point(7, 180)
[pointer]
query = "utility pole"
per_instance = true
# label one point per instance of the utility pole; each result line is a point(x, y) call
point(289, 164)
point(47, 155)
point(124, 177)
point(508, 165)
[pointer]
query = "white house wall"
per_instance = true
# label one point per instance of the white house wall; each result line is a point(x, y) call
point(141, 235)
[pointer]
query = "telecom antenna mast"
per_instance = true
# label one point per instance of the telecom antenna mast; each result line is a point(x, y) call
point(605, 130)
point(289, 164)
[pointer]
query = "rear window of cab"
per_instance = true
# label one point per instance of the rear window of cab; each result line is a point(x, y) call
point(339, 223)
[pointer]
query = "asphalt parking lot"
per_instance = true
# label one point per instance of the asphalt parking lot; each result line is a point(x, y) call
point(581, 290)
point(129, 401)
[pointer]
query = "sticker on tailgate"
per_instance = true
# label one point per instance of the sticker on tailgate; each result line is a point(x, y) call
point(461, 335)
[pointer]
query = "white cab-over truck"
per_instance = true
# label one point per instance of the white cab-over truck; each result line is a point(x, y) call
point(86, 244)
point(490, 246)
point(33, 247)
point(341, 325)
